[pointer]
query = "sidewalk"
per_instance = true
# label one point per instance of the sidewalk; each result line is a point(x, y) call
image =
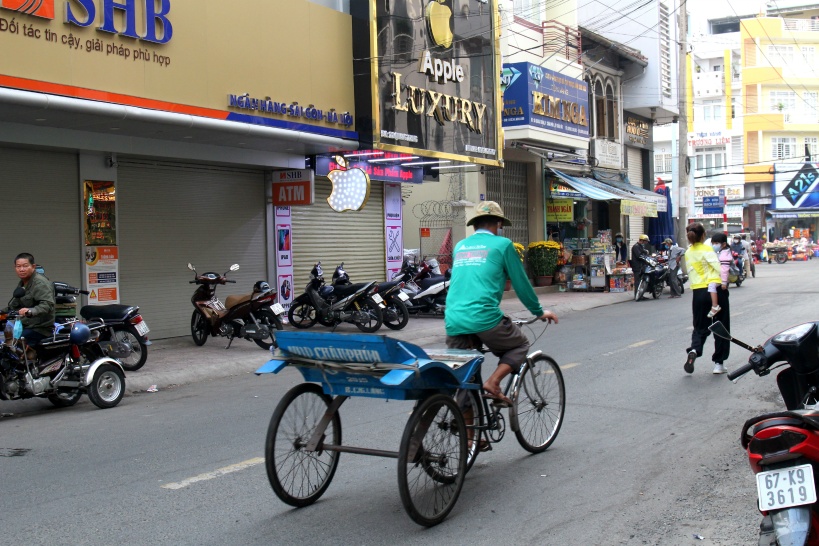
point(177, 361)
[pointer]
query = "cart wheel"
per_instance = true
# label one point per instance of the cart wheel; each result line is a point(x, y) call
point(539, 404)
point(432, 460)
point(469, 401)
point(781, 258)
point(299, 477)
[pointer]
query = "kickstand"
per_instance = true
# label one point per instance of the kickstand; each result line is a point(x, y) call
point(230, 340)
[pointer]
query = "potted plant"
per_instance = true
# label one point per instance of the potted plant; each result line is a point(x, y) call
point(543, 256)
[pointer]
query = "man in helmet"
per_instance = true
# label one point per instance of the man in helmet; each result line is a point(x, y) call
point(639, 250)
point(36, 306)
point(481, 265)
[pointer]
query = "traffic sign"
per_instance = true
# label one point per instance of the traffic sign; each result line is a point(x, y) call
point(713, 204)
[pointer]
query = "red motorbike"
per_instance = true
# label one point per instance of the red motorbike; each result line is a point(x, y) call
point(253, 316)
point(783, 447)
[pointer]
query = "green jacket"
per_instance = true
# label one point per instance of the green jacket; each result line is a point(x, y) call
point(40, 299)
point(480, 267)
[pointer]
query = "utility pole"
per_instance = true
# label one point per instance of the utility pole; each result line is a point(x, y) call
point(682, 126)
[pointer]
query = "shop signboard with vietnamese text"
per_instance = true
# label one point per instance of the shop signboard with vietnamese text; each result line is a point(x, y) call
point(559, 210)
point(431, 77)
point(293, 188)
point(544, 99)
point(638, 131)
point(638, 208)
point(102, 274)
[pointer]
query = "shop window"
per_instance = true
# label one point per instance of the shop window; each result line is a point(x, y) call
point(812, 147)
point(100, 211)
point(783, 147)
point(611, 114)
point(599, 111)
point(662, 163)
point(528, 9)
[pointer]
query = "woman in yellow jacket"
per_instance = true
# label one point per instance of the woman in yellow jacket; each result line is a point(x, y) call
point(704, 268)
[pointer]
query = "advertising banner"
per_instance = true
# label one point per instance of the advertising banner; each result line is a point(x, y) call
point(102, 274)
point(544, 99)
point(638, 208)
point(284, 255)
point(434, 78)
point(796, 186)
point(393, 224)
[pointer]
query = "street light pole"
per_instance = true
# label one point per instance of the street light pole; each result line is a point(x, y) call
point(682, 126)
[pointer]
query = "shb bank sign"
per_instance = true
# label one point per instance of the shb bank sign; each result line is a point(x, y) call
point(84, 13)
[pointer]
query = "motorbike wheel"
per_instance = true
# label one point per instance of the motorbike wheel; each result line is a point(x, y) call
point(199, 328)
point(65, 399)
point(658, 290)
point(271, 321)
point(139, 351)
point(781, 258)
point(374, 317)
point(302, 314)
point(641, 289)
point(398, 307)
point(108, 386)
point(739, 281)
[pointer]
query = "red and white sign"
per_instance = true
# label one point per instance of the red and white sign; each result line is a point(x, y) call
point(394, 229)
point(284, 254)
point(293, 188)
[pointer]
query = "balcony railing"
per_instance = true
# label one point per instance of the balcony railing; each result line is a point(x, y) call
point(561, 40)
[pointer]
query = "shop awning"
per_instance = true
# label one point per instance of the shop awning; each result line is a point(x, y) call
point(640, 194)
point(583, 185)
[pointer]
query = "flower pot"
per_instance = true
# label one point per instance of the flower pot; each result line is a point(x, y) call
point(543, 280)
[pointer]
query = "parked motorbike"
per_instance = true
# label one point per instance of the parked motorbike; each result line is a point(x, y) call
point(682, 278)
point(253, 316)
point(124, 333)
point(61, 368)
point(654, 277)
point(396, 315)
point(425, 286)
point(783, 447)
point(330, 305)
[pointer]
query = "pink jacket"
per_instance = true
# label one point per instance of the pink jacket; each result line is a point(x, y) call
point(726, 258)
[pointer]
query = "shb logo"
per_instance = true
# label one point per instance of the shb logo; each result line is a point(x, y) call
point(439, 23)
point(38, 8)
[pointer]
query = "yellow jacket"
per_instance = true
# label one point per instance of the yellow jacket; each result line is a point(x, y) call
point(703, 265)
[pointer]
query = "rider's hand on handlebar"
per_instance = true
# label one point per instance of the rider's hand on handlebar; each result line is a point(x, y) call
point(549, 317)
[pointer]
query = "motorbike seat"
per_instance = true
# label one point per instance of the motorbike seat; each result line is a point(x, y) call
point(796, 418)
point(430, 281)
point(384, 286)
point(64, 300)
point(107, 312)
point(233, 301)
point(344, 290)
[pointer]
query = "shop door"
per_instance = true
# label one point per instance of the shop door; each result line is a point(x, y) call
point(47, 185)
point(635, 175)
point(507, 187)
point(172, 214)
point(355, 238)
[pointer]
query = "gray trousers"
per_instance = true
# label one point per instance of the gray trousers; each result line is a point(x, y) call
point(674, 281)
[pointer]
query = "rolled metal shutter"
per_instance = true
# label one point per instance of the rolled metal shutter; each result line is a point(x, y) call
point(171, 214)
point(636, 224)
point(355, 238)
point(46, 186)
point(507, 187)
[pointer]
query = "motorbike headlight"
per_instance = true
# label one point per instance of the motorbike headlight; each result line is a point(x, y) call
point(795, 334)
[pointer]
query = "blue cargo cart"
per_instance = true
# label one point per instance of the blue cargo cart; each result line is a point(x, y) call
point(441, 437)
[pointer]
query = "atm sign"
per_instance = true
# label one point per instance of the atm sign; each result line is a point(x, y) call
point(293, 188)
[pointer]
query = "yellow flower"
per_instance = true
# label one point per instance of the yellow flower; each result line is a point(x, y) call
point(519, 250)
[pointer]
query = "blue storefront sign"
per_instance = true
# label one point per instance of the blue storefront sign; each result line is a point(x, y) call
point(713, 204)
point(544, 99)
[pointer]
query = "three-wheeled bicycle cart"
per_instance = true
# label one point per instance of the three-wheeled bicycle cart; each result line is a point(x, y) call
point(450, 424)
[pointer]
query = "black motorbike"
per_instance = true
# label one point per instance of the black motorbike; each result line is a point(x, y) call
point(653, 279)
point(124, 335)
point(331, 305)
point(396, 314)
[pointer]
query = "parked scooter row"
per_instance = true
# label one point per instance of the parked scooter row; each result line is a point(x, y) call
point(783, 447)
point(425, 286)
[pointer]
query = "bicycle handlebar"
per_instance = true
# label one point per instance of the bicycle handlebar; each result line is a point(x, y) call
point(521, 322)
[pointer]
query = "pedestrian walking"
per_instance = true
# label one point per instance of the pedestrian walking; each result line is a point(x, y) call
point(675, 256)
point(704, 267)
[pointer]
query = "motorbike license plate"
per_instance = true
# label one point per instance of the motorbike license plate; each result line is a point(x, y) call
point(377, 298)
point(402, 296)
point(277, 309)
point(786, 487)
point(142, 328)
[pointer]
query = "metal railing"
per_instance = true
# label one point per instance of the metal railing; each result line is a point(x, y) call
point(562, 40)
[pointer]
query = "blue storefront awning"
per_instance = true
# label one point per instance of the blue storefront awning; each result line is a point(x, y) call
point(584, 187)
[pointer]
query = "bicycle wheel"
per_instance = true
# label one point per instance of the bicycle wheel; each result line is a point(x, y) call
point(432, 460)
point(299, 477)
point(538, 404)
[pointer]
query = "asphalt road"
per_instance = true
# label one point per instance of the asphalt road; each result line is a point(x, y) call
point(647, 453)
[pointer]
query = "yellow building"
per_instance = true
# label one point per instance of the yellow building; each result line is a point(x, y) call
point(780, 92)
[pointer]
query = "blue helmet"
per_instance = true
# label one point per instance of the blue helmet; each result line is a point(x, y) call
point(80, 333)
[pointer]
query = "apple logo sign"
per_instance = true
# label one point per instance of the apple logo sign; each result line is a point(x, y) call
point(439, 20)
point(351, 188)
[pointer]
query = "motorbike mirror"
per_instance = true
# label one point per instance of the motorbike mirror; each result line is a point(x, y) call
point(234, 267)
point(19, 292)
point(191, 267)
point(720, 330)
